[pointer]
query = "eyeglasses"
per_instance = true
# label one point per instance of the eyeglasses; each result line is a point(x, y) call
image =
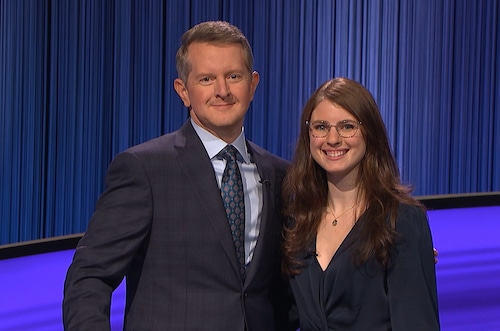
point(345, 128)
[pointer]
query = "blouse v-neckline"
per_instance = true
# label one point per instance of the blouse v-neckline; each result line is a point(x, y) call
point(346, 241)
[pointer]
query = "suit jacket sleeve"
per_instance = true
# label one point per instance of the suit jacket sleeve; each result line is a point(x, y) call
point(117, 230)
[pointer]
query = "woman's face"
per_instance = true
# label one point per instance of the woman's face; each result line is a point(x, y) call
point(338, 156)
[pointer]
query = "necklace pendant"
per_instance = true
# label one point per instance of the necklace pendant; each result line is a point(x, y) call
point(334, 222)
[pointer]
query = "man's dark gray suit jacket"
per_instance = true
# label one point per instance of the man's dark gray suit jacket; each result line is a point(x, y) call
point(161, 223)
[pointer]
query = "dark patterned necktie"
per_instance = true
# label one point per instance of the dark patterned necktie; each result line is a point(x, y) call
point(234, 202)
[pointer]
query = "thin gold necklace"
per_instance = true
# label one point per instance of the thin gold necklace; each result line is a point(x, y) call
point(335, 218)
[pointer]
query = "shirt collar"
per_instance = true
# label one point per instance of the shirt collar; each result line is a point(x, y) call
point(213, 144)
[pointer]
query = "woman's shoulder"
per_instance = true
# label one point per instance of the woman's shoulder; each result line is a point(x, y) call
point(411, 218)
point(411, 210)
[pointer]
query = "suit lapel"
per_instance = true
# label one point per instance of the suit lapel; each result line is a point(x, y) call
point(268, 176)
point(200, 176)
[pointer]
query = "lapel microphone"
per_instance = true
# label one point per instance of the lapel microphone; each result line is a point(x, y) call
point(266, 182)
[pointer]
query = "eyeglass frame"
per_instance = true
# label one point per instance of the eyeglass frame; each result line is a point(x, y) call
point(336, 125)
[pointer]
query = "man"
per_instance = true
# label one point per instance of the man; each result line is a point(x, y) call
point(161, 221)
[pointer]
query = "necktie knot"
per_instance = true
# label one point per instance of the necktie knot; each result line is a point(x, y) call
point(229, 153)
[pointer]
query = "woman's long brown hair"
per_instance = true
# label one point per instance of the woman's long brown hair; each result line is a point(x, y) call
point(305, 189)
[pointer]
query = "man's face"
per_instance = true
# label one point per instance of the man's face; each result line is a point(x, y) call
point(219, 88)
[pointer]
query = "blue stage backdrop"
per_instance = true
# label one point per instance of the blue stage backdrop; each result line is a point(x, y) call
point(82, 80)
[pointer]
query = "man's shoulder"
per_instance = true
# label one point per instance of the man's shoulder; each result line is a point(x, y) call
point(163, 143)
point(276, 160)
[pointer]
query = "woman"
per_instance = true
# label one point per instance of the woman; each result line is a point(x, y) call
point(358, 248)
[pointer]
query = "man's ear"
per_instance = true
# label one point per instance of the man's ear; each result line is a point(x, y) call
point(254, 82)
point(182, 91)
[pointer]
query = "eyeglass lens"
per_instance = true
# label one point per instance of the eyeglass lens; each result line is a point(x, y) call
point(345, 128)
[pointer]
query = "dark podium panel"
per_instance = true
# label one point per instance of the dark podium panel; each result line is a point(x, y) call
point(468, 274)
